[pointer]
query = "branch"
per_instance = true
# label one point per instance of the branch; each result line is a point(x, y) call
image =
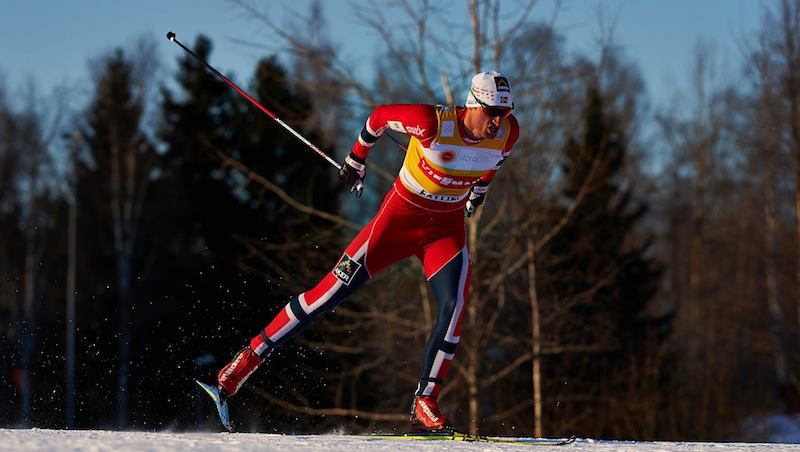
point(523, 258)
point(506, 370)
point(248, 244)
point(261, 180)
point(514, 409)
point(346, 412)
point(339, 70)
point(344, 349)
point(420, 21)
point(559, 349)
point(498, 309)
point(515, 29)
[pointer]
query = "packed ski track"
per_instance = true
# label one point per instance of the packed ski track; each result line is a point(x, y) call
point(100, 440)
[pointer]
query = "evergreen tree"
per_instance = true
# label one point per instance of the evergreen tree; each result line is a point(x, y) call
point(25, 216)
point(600, 271)
point(112, 185)
point(191, 284)
point(215, 217)
point(12, 243)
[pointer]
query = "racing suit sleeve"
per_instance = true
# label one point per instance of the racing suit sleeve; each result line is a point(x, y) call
point(417, 120)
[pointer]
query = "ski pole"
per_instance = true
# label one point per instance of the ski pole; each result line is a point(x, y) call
point(171, 37)
point(397, 142)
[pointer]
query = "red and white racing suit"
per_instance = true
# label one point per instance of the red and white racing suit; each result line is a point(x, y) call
point(422, 216)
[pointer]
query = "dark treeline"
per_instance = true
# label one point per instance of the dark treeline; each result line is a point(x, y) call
point(635, 269)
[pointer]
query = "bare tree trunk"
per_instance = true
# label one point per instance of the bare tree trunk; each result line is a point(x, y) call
point(124, 346)
point(705, 132)
point(790, 30)
point(472, 366)
point(71, 258)
point(477, 43)
point(29, 327)
point(71, 319)
point(497, 47)
point(448, 93)
point(472, 231)
point(695, 309)
point(30, 278)
point(770, 150)
point(776, 313)
point(120, 215)
point(697, 254)
point(536, 339)
point(797, 227)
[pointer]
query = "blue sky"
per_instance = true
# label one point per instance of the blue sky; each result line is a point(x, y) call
point(51, 42)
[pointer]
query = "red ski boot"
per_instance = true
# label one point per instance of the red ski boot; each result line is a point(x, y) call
point(425, 416)
point(233, 376)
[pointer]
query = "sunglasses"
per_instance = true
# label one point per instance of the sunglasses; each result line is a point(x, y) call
point(491, 111)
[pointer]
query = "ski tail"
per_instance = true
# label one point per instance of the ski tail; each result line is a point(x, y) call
point(547, 442)
point(222, 406)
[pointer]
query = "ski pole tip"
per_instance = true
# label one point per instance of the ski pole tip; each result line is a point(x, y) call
point(171, 36)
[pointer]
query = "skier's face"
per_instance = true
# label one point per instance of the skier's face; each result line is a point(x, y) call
point(484, 122)
point(494, 116)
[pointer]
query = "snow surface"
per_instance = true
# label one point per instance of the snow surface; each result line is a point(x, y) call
point(99, 440)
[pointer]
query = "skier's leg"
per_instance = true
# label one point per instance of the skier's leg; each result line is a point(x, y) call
point(346, 277)
point(449, 280)
point(450, 286)
point(388, 238)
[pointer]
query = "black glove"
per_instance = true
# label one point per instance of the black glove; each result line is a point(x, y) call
point(476, 196)
point(352, 173)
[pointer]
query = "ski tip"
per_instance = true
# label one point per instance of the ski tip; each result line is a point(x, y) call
point(210, 390)
point(222, 406)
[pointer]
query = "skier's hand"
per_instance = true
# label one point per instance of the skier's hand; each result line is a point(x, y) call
point(352, 173)
point(476, 196)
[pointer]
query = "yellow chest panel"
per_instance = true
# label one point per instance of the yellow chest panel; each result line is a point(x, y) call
point(447, 168)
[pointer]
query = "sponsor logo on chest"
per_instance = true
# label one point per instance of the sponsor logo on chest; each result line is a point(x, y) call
point(443, 179)
point(447, 156)
point(452, 158)
point(435, 197)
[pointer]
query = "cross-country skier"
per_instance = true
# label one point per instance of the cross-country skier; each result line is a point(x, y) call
point(453, 154)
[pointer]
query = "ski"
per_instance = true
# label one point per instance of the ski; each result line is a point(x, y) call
point(222, 410)
point(222, 406)
point(456, 436)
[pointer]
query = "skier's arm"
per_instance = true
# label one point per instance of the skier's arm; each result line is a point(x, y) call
point(478, 191)
point(418, 120)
